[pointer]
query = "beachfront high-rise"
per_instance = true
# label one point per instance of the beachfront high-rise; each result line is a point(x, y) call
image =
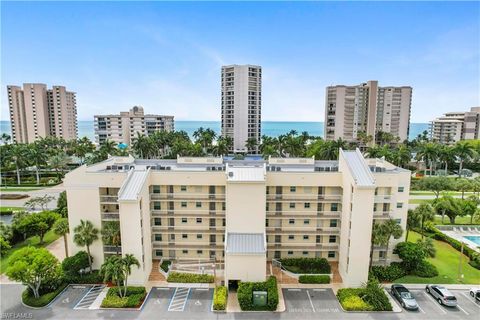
point(367, 108)
point(242, 105)
point(456, 126)
point(123, 127)
point(240, 213)
point(37, 112)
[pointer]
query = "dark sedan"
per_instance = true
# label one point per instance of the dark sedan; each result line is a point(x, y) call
point(404, 297)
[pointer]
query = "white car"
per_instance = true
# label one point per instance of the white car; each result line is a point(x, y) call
point(475, 293)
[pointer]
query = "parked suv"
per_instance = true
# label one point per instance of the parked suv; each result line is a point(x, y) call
point(475, 293)
point(404, 297)
point(442, 295)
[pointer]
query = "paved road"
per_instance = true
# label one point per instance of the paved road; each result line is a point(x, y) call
point(300, 303)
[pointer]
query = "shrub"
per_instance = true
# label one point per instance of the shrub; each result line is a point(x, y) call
point(165, 265)
point(43, 300)
point(314, 279)
point(388, 273)
point(306, 265)
point(220, 298)
point(426, 270)
point(189, 277)
point(133, 299)
point(412, 254)
point(71, 266)
point(245, 294)
point(342, 294)
point(355, 303)
point(375, 296)
point(88, 278)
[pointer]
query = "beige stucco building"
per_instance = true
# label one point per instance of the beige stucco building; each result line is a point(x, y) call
point(455, 126)
point(37, 112)
point(123, 127)
point(242, 105)
point(241, 213)
point(367, 108)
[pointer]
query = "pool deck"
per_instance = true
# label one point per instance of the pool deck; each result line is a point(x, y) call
point(461, 232)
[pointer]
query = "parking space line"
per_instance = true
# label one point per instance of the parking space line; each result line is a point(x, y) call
point(420, 308)
point(463, 310)
point(202, 289)
point(469, 298)
point(434, 302)
point(321, 290)
point(163, 288)
point(179, 299)
point(294, 289)
point(311, 302)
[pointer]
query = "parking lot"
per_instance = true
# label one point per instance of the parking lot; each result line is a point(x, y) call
point(189, 300)
point(310, 301)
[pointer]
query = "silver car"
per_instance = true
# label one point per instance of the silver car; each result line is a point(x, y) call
point(442, 295)
point(404, 297)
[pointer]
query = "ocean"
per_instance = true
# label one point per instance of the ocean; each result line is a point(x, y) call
point(269, 128)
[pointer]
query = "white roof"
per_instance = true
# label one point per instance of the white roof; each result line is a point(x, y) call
point(358, 168)
point(245, 243)
point(132, 185)
point(246, 173)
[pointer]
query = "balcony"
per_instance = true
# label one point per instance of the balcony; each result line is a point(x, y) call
point(112, 249)
point(383, 198)
point(110, 216)
point(187, 212)
point(187, 196)
point(303, 197)
point(108, 199)
point(382, 214)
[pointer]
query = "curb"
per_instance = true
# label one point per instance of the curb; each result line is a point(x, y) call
point(49, 304)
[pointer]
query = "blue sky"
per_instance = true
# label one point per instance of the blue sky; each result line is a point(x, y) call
point(167, 56)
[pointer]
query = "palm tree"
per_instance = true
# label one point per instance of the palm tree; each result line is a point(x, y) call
point(427, 246)
point(128, 261)
point(18, 156)
point(402, 156)
point(82, 147)
point(142, 146)
point(391, 229)
point(38, 156)
point(425, 213)
point(111, 234)
point(113, 270)
point(5, 138)
point(85, 235)
point(60, 227)
point(428, 152)
point(443, 205)
point(464, 151)
point(446, 155)
point(108, 147)
point(59, 162)
point(251, 144)
point(379, 237)
point(412, 221)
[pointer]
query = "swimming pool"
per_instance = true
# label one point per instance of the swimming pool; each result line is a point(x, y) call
point(474, 239)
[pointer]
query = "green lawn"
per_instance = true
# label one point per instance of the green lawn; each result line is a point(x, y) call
point(50, 236)
point(458, 220)
point(419, 201)
point(9, 209)
point(447, 263)
point(20, 188)
point(430, 193)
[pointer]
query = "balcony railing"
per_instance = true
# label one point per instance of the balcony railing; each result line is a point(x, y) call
point(187, 196)
point(382, 214)
point(112, 249)
point(383, 198)
point(108, 199)
point(304, 197)
point(194, 211)
point(110, 216)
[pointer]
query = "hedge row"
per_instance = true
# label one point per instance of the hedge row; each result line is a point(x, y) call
point(133, 299)
point(457, 245)
point(220, 298)
point(306, 265)
point(388, 273)
point(29, 299)
point(189, 277)
point(245, 294)
point(364, 299)
point(310, 278)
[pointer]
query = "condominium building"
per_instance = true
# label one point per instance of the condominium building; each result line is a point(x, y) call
point(367, 108)
point(456, 126)
point(37, 112)
point(241, 213)
point(123, 127)
point(242, 105)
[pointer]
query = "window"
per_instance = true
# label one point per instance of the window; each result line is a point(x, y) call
point(199, 236)
point(293, 189)
point(158, 237)
point(184, 204)
point(185, 251)
point(172, 237)
point(183, 188)
point(333, 223)
point(305, 253)
point(307, 189)
point(292, 205)
point(156, 189)
point(289, 253)
point(158, 253)
point(156, 205)
point(305, 237)
point(266, 222)
point(306, 205)
point(398, 221)
point(332, 239)
point(291, 221)
point(334, 207)
point(399, 205)
point(382, 254)
point(290, 237)
point(184, 220)
point(306, 221)
point(401, 189)
point(199, 251)
point(157, 221)
point(199, 220)
point(184, 236)
point(331, 254)
point(198, 204)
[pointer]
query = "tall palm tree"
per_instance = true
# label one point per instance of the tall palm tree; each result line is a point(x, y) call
point(60, 227)
point(402, 155)
point(128, 262)
point(428, 152)
point(251, 144)
point(446, 155)
point(108, 147)
point(85, 235)
point(142, 146)
point(379, 237)
point(391, 229)
point(464, 151)
point(18, 154)
point(111, 234)
point(58, 162)
point(113, 270)
point(37, 155)
point(425, 213)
